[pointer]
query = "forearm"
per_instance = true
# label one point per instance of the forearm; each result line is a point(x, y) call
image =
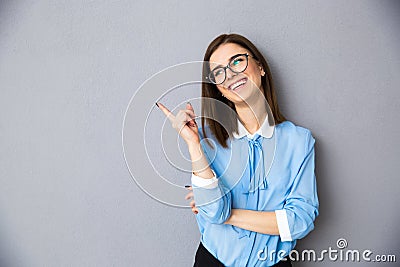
point(200, 165)
point(263, 222)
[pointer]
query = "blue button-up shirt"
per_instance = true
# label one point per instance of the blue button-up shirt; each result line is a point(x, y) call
point(288, 188)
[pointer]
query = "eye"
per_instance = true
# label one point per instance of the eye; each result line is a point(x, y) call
point(218, 72)
point(237, 61)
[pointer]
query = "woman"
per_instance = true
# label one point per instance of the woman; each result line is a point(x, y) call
point(253, 180)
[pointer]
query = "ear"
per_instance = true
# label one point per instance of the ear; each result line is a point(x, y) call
point(262, 70)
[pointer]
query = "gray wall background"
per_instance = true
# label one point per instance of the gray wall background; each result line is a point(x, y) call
point(69, 68)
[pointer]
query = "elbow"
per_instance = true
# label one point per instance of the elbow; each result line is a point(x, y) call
point(301, 221)
point(222, 216)
point(216, 213)
point(303, 232)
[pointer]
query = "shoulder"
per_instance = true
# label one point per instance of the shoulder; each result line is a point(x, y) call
point(294, 134)
point(207, 138)
point(289, 128)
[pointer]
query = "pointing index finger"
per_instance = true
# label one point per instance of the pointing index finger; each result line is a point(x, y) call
point(166, 111)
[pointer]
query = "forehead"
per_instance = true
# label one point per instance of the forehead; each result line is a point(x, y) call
point(224, 52)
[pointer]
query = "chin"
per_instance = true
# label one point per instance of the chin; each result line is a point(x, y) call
point(239, 98)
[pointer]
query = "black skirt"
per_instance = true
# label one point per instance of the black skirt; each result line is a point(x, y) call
point(204, 258)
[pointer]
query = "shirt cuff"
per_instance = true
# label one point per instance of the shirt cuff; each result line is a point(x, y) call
point(204, 182)
point(283, 225)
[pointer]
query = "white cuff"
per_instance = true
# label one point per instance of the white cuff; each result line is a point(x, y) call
point(204, 182)
point(283, 225)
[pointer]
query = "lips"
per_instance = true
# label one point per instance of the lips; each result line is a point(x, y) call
point(237, 84)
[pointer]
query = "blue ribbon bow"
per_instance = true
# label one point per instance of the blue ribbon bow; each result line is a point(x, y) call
point(256, 179)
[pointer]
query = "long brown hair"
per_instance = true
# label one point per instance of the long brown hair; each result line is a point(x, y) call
point(221, 125)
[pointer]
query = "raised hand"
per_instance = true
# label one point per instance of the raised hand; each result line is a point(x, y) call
point(184, 122)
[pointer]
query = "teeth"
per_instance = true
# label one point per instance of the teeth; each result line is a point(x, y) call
point(237, 84)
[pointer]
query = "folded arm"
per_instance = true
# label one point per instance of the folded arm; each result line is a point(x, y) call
point(296, 219)
point(263, 222)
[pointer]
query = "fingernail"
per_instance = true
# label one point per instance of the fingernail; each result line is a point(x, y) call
point(187, 186)
point(157, 105)
point(196, 212)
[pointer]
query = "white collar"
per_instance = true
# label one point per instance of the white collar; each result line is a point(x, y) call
point(265, 130)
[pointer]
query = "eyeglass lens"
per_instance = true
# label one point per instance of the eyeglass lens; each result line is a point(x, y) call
point(237, 64)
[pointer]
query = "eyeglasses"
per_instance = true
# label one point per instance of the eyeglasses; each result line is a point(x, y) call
point(237, 64)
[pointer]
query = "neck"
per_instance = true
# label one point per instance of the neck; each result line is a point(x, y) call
point(252, 113)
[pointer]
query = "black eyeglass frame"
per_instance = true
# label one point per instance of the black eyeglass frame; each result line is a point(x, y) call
point(208, 77)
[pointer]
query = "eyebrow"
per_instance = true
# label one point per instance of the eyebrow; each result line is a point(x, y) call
point(229, 60)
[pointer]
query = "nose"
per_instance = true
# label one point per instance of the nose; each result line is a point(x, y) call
point(230, 73)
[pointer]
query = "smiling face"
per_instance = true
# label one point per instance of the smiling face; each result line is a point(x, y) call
point(237, 87)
